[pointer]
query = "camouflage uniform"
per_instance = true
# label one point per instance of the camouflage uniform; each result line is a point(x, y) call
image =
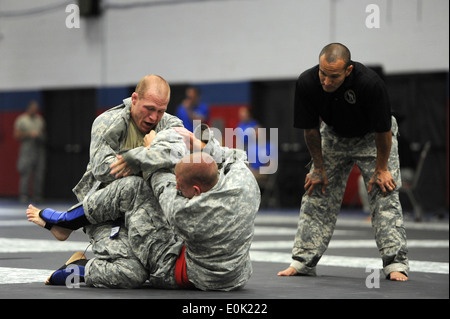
point(216, 227)
point(108, 135)
point(146, 244)
point(112, 256)
point(31, 160)
point(318, 212)
point(109, 132)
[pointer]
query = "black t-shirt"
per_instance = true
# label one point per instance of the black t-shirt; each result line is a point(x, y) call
point(359, 106)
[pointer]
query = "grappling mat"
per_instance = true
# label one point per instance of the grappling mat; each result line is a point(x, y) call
point(350, 268)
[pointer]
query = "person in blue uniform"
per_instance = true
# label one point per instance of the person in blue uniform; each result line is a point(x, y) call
point(192, 109)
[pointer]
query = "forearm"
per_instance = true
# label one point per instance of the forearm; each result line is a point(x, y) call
point(168, 121)
point(383, 142)
point(20, 135)
point(163, 184)
point(164, 151)
point(150, 160)
point(314, 143)
point(382, 177)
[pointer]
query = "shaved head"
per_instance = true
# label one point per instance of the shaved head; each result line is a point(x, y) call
point(198, 169)
point(155, 85)
point(336, 51)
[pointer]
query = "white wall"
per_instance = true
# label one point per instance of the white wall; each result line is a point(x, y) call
point(214, 41)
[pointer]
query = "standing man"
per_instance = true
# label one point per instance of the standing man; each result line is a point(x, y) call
point(192, 109)
point(344, 110)
point(29, 129)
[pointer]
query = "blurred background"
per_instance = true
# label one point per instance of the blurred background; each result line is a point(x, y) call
point(239, 53)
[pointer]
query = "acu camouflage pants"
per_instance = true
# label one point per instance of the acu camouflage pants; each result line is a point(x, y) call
point(146, 246)
point(318, 212)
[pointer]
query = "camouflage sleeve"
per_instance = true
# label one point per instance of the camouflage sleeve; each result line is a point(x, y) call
point(103, 146)
point(164, 188)
point(166, 150)
point(168, 121)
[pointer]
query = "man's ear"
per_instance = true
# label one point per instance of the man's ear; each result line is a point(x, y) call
point(197, 190)
point(349, 70)
point(134, 97)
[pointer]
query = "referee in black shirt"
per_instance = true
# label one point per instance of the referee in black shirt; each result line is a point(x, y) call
point(343, 108)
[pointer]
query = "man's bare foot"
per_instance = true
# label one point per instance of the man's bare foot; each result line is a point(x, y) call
point(33, 216)
point(290, 271)
point(60, 233)
point(397, 276)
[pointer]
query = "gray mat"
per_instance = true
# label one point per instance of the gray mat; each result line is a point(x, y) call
point(350, 269)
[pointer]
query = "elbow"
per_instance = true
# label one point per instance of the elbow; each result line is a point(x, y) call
point(102, 173)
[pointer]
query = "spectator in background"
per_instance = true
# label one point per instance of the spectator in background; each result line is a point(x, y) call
point(257, 147)
point(246, 121)
point(29, 129)
point(192, 109)
point(247, 139)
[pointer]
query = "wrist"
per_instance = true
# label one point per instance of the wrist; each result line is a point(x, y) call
point(381, 169)
point(318, 167)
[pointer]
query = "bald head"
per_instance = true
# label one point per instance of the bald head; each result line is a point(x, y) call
point(153, 85)
point(197, 170)
point(334, 52)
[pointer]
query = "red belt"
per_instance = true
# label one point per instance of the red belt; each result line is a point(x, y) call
point(180, 271)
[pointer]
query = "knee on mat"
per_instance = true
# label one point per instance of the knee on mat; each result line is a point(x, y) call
point(118, 274)
point(130, 276)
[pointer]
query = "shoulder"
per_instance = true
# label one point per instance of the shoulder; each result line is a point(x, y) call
point(365, 76)
point(112, 121)
point(309, 79)
point(21, 118)
point(309, 75)
point(111, 114)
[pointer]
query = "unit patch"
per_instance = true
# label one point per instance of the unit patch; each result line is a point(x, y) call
point(350, 96)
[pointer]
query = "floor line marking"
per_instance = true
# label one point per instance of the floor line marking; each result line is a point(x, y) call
point(351, 243)
point(10, 275)
point(290, 231)
point(20, 245)
point(351, 262)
